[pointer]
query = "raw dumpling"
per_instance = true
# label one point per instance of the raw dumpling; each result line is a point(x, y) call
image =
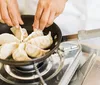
point(8, 38)
point(34, 34)
point(16, 32)
point(34, 51)
point(42, 41)
point(25, 34)
point(20, 33)
point(19, 54)
point(7, 49)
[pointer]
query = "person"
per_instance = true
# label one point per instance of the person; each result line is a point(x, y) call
point(77, 14)
point(47, 11)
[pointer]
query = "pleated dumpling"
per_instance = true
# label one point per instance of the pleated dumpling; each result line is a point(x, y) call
point(8, 38)
point(34, 51)
point(42, 41)
point(24, 33)
point(19, 54)
point(7, 49)
point(20, 33)
point(34, 34)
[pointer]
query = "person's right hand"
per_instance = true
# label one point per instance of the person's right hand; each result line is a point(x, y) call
point(9, 13)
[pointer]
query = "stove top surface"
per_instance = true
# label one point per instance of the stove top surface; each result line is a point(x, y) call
point(56, 72)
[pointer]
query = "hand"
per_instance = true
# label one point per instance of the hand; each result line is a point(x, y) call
point(47, 11)
point(9, 12)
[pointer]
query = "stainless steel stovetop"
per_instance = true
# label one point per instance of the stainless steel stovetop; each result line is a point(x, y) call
point(58, 69)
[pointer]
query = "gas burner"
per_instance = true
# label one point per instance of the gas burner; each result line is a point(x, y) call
point(28, 74)
point(30, 68)
point(19, 72)
point(55, 70)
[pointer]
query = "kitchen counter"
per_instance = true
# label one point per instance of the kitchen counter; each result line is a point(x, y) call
point(89, 71)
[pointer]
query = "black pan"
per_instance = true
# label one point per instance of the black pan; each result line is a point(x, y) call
point(28, 20)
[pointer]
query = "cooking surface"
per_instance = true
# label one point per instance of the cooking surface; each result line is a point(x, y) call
point(57, 78)
point(89, 71)
point(71, 52)
point(64, 76)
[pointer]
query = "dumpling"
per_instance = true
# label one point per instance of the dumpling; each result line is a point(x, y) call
point(19, 54)
point(20, 33)
point(8, 38)
point(16, 32)
point(34, 34)
point(34, 51)
point(24, 33)
point(42, 41)
point(7, 49)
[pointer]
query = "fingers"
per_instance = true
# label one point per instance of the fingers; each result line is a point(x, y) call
point(13, 18)
point(18, 14)
point(14, 13)
point(41, 17)
point(4, 13)
point(44, 18)
point(20, 20)
point(51, 19)
point(10, 12)
point(37, 16)
point(1, 19)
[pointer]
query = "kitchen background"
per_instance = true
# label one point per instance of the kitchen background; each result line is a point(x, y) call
point(77, 15)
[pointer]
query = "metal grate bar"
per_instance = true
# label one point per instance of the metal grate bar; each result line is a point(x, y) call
point(41, 79)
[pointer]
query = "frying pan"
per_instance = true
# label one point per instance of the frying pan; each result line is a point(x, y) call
point(28, 20)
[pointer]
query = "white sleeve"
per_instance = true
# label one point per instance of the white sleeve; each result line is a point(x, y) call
point(73, 18)
point(21, 4)
point(27, 7)
point(81, 5)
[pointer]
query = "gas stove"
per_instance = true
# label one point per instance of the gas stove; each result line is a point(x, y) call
point(58, 69)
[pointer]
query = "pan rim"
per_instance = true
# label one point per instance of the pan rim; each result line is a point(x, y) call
point(34, 60)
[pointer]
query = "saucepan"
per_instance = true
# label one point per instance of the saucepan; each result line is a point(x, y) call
point(28, 20)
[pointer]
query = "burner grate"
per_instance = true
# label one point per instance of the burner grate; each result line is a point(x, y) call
point(48, 72)
point(18, 75)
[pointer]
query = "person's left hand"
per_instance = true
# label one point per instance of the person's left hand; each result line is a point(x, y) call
point(47, 11)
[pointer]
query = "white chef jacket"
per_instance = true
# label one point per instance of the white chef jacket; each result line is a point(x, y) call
point(77, 15)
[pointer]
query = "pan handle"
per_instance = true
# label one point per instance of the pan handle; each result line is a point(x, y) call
point(82, 35)
point(64, 38)
point(41, 79)
point(86, 34)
